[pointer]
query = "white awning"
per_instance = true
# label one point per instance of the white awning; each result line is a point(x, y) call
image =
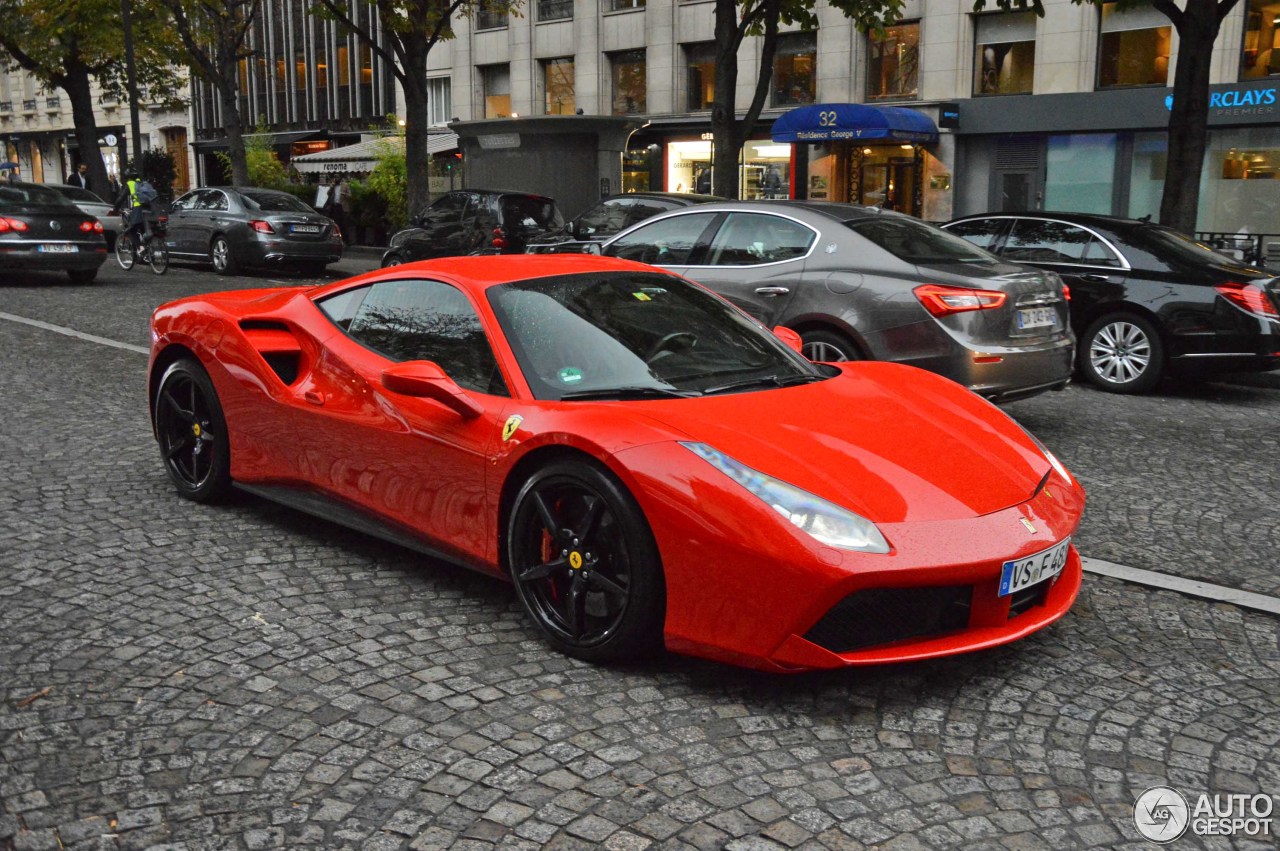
point(363, 156)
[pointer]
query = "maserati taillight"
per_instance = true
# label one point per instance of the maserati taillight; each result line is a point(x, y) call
point(943, 301)
point(1249, 297)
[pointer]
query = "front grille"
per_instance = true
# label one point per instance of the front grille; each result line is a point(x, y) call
point(1032, 595)
point(884, 615)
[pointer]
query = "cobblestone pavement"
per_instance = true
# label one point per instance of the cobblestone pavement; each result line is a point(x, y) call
point(180, 676)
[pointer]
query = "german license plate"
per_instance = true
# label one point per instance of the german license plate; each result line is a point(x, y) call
point(58, 248)
point(306, 228)
point(1025, 572)
point(1037, 317)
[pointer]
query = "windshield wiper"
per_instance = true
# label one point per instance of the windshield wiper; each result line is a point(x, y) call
point(764, 381)
point(636, 392)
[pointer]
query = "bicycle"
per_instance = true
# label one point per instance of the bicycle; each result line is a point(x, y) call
point(153, 251)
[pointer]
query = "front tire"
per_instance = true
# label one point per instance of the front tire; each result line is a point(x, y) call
point(124, 251)
point(1122, 353)
point(828, 347)
point(192, 432)
point(585, 565)
point(391, 260)
point(223, 259)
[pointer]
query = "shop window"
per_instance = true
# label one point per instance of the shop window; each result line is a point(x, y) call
point(700, 76)
point(766, 170)
point(496, 80)
point(1133, 48)
point(1261, 54)
point(1079, 173)
point(795, 69)
point(619, 5)
point(1006, 54)
point(439, 101)
point(630, 82)
point(557, 86)
point(1240, 184)
point(893, 64)
point(555, 10)
point(490, 19)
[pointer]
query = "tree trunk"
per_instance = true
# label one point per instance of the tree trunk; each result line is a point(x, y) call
point(417, 156)
point(76, 84)
point(231, 123)
point(724, 129)
point(1189, 117)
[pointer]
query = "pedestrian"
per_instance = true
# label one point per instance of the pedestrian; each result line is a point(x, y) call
point(337, 206)
point(79, 177)
point(113, 186)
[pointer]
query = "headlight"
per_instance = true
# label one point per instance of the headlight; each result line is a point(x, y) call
point(824, 521)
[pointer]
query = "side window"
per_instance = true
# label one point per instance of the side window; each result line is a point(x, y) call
point(645, 208)
point(984, 233)
point(186, 202)
point(428, 320)
point(1096, 253)
point(446, 210)
point(749, 239)
point(212, 199)
point(608, 218)
point(664, 243)
point(341, 308)
point(1046, 242)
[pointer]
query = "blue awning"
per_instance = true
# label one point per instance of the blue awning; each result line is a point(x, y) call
point(825, 122)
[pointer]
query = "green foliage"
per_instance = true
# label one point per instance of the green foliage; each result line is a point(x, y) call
point(265, 169)
point(158, 168)
point(389, 182)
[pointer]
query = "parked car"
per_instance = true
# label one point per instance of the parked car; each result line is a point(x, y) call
point(93, 205)
point(863, 283)
point(1145, 299)
point(474, 221)
point(647, 465)
point(40, 229)
point(610, 216)
point(235, 227)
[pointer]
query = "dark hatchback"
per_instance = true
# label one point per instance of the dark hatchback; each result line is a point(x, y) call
point(40, 230)
point(474, 221)
point(612, 215)
point(233, 227)
point(1145, 299)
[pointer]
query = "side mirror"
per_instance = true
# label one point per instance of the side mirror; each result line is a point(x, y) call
point(592, 248)
point(791, 338)
point(425, 379)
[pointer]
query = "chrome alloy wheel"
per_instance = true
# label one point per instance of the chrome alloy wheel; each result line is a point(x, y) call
point(1120, 352)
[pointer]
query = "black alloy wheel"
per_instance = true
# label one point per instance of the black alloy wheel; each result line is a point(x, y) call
point(585, 565)
point(1122, 353)
point(192, 432)
point(827, 347)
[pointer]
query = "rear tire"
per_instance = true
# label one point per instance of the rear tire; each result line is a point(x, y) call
point(159, 257)
point(1122, 353)
point(192, 432)
point(390, 260)
point(828, 347)
point(223, 259)
point(82, 276)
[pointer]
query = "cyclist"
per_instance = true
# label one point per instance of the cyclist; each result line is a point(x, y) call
point(138, 204)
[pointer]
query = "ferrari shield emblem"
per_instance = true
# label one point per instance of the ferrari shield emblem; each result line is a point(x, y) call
point(509, 429)
point(1030, 526)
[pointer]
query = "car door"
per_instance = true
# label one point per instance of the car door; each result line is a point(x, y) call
point(208, 217)
point(438, 232)
point(1089, 264)
point(672, 242)
point(409, 460)
point(756, 261)
point(179, 238)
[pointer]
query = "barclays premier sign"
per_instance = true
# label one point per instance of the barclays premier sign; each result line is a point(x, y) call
point(1229, 102)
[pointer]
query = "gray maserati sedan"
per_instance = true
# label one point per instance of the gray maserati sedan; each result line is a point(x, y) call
point(864, 283)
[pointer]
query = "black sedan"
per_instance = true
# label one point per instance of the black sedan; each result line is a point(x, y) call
point(612, 215)
point(245, 227)
point(42, 230)
point(1146, 300)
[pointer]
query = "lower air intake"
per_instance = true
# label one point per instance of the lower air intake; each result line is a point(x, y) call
point(885, 615)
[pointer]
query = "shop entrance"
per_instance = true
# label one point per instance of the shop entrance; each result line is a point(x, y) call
point(890, 185)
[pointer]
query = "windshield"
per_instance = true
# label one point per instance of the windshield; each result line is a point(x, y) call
point(530, 211)
point(274, 202)
point(22, 195)
point(632, 334)
point(916, 242)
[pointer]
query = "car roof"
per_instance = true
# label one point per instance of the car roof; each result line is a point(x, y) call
point(826, 209)
point(687, 197)
point(479, 273)
point(499, 192)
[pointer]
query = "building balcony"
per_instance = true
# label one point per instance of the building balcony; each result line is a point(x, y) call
point(52, 104)
point(6, 107)
point(29, 106)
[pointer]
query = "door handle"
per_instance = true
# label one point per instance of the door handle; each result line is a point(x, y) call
point(315, 397)
point(1096, 279)
point(770, 292)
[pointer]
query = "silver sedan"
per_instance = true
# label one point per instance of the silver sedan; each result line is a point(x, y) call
point(860, 282)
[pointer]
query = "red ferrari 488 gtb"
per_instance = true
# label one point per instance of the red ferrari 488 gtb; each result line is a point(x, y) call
point(646, 463)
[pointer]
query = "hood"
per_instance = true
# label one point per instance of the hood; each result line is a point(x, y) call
point(890, 442)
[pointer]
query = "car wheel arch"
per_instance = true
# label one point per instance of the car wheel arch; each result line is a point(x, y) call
point(166, 358)
point(803, 327)
point(1113, 307)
